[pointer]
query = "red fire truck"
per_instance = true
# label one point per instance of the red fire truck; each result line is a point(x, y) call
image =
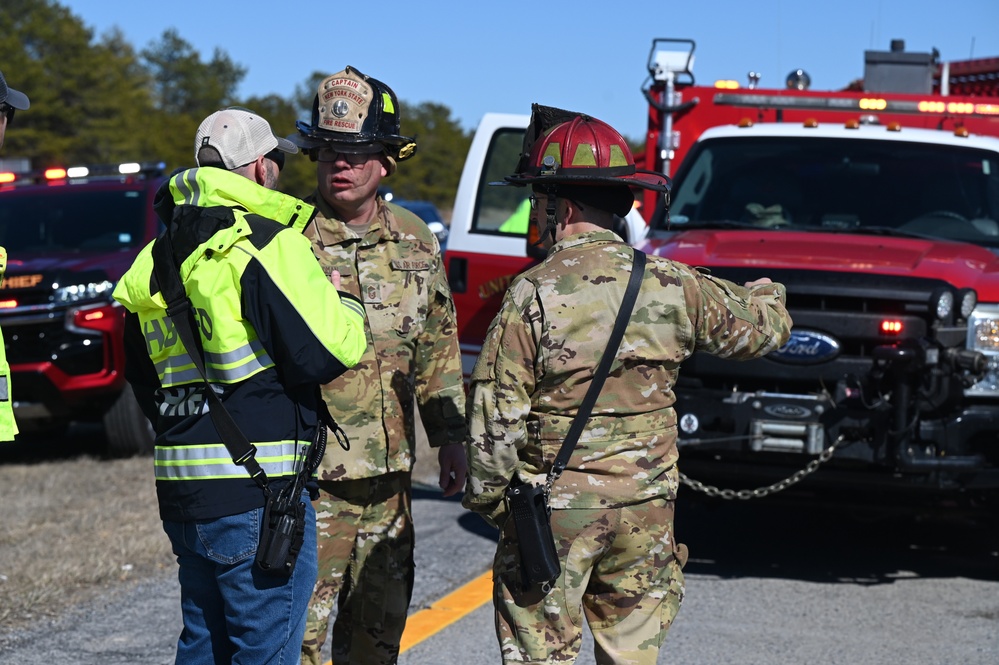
point(876, 205)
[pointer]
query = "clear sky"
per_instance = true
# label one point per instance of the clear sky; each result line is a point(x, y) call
point(588, 55)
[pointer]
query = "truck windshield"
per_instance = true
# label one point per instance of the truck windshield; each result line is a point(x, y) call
point(65, 220)
point(839, 186)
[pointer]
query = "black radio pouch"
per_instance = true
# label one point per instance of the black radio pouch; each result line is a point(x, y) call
point(282, 533)
point(531, 516)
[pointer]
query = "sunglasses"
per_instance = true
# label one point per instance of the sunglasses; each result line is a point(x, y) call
point(533, 198)
point(7, 110)
point(277, 157)
point(354, 155)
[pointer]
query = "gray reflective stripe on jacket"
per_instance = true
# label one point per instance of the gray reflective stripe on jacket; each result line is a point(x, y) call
point(248, 360)
point(187, 184)
point(212, 460)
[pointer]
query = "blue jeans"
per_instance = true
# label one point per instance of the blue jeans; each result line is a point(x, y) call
point(233, 613)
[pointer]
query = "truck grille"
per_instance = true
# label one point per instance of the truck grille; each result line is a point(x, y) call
point(847, 307)
point(50, 341)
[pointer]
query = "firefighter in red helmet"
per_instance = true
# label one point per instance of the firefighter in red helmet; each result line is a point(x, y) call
point(614, 560)
point(583, 157)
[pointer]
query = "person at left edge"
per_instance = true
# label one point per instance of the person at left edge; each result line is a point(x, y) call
point(10, 100)
point(273, 328)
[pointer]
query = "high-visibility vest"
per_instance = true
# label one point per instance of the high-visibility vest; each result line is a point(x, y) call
point(8, 426)
point(228, 240)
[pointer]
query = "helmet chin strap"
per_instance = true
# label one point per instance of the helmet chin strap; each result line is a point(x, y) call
point(550, 222)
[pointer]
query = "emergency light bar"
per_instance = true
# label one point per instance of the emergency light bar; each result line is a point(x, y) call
point(59, 175)
point(916, 107)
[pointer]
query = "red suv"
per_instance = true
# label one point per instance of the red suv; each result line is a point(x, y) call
point(70, 234)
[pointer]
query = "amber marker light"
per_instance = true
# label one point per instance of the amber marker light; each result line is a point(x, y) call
point(872, 104)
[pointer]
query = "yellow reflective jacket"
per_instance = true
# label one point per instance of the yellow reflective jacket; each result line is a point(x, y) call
point(272, 328)
point(8, 426)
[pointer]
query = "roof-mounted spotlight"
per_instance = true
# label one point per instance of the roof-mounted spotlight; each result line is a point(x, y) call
point(798, 80)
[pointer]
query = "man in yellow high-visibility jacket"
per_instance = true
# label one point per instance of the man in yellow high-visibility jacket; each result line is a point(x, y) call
point(272, 328)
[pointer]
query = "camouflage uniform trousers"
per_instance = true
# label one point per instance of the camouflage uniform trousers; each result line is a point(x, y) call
point(365, 544)
point(621, 571)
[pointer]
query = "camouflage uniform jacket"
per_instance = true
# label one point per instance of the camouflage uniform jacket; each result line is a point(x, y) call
point(397, 271)
point(545, 343)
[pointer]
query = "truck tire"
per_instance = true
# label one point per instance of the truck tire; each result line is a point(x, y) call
point(127, 429)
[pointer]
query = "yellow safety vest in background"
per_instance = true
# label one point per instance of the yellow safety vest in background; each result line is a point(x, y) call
point(8, 427)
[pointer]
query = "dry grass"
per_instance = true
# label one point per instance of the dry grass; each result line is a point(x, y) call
point(72, 529)
point(74, 526)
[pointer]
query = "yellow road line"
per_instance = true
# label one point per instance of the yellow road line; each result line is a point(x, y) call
point(447, 610)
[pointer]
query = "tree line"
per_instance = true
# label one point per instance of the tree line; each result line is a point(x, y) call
point(99, 100)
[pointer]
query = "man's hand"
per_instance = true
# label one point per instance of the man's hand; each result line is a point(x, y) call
point(454, 468)
point(335, 276)
point(759, 282)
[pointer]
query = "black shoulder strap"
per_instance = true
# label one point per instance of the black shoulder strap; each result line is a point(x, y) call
point(623, 316)
point(167, 273)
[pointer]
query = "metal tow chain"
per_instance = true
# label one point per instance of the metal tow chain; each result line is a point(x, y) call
point(761, 492)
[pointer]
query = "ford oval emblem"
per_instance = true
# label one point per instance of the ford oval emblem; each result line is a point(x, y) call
point(787, 411)
point(806, 347)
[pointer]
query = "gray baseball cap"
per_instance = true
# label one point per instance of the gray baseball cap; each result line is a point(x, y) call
point(18, 100)
point(236, 137)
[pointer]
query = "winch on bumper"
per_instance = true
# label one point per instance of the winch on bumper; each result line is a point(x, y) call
point(755, 422)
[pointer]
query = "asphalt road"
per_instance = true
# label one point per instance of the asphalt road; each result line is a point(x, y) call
point(770, 582)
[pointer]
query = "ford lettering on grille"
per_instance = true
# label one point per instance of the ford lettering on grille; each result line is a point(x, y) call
point(806, 347)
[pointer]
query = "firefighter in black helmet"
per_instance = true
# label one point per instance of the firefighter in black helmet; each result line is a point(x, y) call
point(389, 258)
point(352, 109)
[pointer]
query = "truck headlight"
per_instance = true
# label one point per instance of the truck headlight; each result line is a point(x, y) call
point(942, 304)
point(983, 336)
point(969, 299)
point(74, 293)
